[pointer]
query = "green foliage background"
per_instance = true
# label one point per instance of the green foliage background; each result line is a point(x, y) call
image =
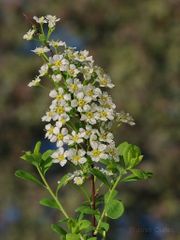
point(138, 43)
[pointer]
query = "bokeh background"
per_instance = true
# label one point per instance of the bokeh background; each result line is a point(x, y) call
point(138, 43)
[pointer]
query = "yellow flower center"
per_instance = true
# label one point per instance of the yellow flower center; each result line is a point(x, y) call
point(59, 97)
point(104, 81)
point(75, 138)
point(58, 63)
point(96, 153)
point(89, 115)
point(74, 87)
point(81, 102)
point(61, 157)
point(103, 114)
point(60, 137)
point(60, 109)
point(76, 158)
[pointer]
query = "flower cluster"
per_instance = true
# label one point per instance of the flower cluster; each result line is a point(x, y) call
point(81, 113)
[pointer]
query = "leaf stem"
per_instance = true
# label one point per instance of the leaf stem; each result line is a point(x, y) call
point(104, 210)
point(52, 194)
point(93, 191)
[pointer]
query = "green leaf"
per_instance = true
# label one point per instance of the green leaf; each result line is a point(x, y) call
point(58, 229)
point(64, 180)
point(47, 154)
point(131, 154)
point(37, 148)
point(114, 209)
point(109, 196)
point(141, 174)
point(72, 236)
point(86, 210)
point(49, 202)
point(84, 224)
point(100, 176)
point(104, 226)
point(28, 176)
point(92, 238)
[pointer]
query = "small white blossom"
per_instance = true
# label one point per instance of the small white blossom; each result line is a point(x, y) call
point(60, 156)
point(90, 116)
point(49, 131)
point(92, 91)
point(59, 95)
point(40, 20)
point(78, 180)
point(113, 152)
point(77, 156)
point(43, 70)
point(74, 86)
point(98, 152)
point(41, 50)
point(83, 56)
point(58, 62)
point(35, 82)
point(52, 20)
point(72, 70)
point(57, 78)
point(56, 44)
point(105, 114)
point(59, 136)
point(105, 136)
point(29, 35)
point(81, 102)
point(76, 137)
point(48, 116)
point(63, 118)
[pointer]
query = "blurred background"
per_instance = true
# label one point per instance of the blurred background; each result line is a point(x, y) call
point(138, 43)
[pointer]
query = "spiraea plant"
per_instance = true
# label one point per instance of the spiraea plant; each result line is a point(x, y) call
point(79, 122)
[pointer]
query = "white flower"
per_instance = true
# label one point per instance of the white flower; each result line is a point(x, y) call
point(86, 133)
point(40, 20)
point(61, 108)
point(49, 131)
point(60, 156)
point(59, 95)
point(76, 137)
point(52, 20)
point(29, 35)
point(90, 115)
point(58, 62)
point(77, 156)
point(35, 82)
point(56, 44)
point(106, 101)
point(105, 136)
point(63, 118)
point(59, 136)
point(48, 116)
point(43, 70)
point(92, 91)
point(83, 56)
point(78, 180)
point(87, 71)
point(41, 50)
point(74, 86)
point(113, 152)
point(105, 114)
point(98, 152)
point(105, 81)
point(72, 70)
point(81, 102)
point(56, 78)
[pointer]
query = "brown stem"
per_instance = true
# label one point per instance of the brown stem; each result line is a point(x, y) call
point(93, 191)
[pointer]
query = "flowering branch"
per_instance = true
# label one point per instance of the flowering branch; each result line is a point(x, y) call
point(79, 122)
